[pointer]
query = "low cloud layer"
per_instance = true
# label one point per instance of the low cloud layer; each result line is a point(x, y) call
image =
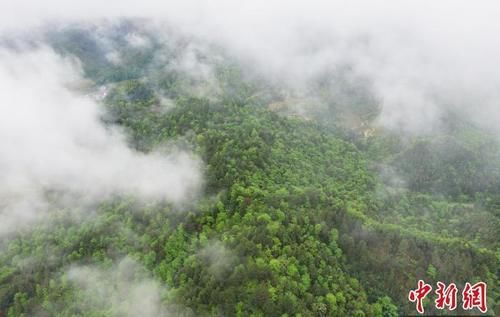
point(53, 142)
point(121, 290)
point(218, 259)
point(424, 58)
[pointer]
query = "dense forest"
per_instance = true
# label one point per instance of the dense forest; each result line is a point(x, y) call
point(307, 208)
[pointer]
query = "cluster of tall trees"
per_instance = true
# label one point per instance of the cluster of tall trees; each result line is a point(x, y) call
point(295, 220)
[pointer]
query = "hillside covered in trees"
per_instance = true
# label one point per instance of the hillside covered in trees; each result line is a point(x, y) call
point(307, 206)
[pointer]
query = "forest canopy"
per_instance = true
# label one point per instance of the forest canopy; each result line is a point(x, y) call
point(165, 175)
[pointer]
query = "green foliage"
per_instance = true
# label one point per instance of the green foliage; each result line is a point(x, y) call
point(294, 221)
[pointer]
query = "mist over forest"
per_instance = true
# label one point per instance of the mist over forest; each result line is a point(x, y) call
point(252, 158)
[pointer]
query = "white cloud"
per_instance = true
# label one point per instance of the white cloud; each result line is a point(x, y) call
point(423, 58)
point(121, 290)
point(137, 41)
point(52, 139)
point(218, 259)
point(114, 58)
